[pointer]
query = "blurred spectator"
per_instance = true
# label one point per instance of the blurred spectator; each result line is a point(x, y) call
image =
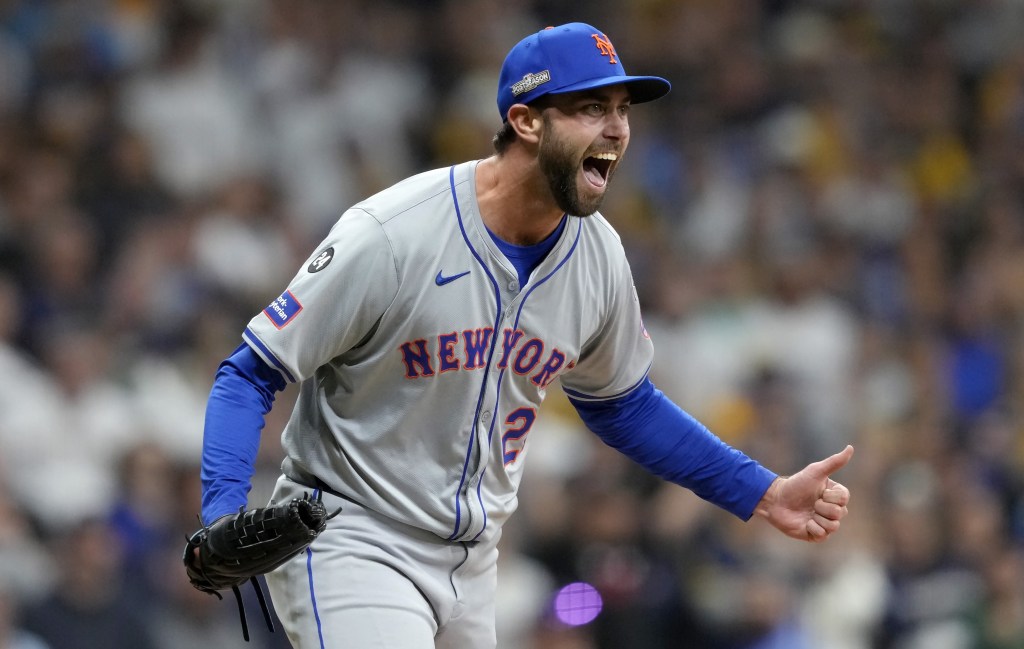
point(191, 618)
point(12, 636)
point(524, 599)
point(63, 288)
point(27, 570)
point(243, 247)
point(998, 621)
point(844, 600)
point(118, 188)
point(930, 591)
point(604, 544)
point(90, 423)
point(155, 297)
point(89, 607)
point(143, 514)
point(192, 112)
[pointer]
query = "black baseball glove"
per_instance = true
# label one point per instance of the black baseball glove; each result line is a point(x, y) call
point(239, 547)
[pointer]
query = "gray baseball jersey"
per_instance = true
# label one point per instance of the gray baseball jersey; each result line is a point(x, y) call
point(423, 362)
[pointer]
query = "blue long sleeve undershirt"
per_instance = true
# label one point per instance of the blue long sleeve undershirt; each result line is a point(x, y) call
point(649, 428)
point(243, 393)
point(644, 425)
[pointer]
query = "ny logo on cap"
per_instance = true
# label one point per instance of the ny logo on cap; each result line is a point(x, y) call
point(605, 46)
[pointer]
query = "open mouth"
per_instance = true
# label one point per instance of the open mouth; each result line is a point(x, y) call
point(597, 168)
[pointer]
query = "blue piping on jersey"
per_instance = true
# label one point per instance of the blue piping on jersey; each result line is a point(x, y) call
point(501, 375)
point(580, 396)
point(250, 336)
point(312, 591)
point(490, 357)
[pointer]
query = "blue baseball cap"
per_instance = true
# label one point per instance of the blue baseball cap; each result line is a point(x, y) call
point(567, 58)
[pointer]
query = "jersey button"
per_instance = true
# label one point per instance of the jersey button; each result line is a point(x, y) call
point(513, 286)
point(485, 416)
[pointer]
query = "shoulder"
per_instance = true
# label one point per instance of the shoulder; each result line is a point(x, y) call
point(602, 228)
point(600, 251)
point(430, 190)
point(600, 234)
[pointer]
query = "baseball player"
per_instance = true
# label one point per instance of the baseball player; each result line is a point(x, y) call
point(424, 333)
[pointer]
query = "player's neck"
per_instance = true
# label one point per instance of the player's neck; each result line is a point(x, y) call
point(514, 199)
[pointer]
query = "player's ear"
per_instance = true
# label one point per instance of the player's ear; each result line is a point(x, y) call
point(526, 121)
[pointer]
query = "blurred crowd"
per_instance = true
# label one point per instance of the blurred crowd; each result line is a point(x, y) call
point(826, 224)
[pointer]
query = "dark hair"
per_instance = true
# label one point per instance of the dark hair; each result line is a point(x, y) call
point(504, 138)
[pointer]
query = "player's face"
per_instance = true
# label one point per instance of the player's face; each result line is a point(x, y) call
point(585, 135)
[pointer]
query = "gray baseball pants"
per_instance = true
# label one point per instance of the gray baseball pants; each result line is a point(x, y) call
point(369, 582)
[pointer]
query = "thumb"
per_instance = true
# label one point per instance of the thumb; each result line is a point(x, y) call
point(833, 463)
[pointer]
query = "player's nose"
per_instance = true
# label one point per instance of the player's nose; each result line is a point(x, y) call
point(616, 126)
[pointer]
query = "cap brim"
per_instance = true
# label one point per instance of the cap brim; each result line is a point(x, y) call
point(640, 89)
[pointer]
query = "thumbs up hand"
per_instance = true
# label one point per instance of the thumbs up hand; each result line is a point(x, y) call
point(808, 505)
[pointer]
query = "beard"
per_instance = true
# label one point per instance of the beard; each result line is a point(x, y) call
point(559, 163)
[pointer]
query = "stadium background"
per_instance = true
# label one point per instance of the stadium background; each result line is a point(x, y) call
point(826, 223)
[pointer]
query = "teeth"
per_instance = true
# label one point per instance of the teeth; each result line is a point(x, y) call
point(606, 156)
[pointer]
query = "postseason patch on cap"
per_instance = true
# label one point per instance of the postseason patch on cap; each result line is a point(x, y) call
point(531, 81)
point(283, 310)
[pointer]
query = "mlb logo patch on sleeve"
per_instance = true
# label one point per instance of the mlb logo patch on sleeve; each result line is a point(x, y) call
point(283, 310)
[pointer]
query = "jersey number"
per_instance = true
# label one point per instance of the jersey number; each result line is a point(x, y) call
point(514, 440)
